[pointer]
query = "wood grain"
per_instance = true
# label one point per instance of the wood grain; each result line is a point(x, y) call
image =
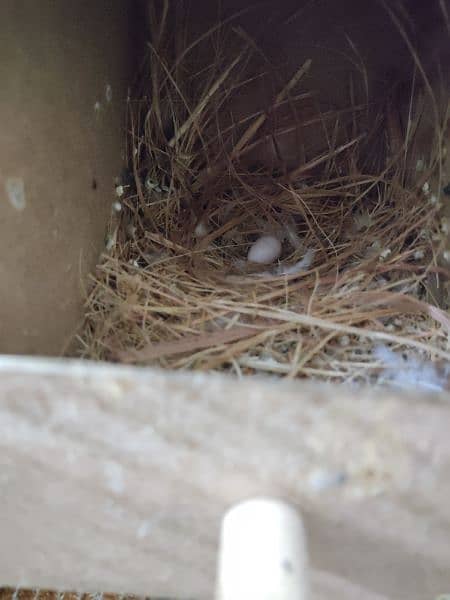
point(114, 479)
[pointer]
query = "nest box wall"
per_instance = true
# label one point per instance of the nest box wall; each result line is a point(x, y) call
point(65, 70)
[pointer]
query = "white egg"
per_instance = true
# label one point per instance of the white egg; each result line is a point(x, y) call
point(265, 250)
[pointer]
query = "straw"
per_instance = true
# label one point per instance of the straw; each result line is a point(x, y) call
point(176, 289)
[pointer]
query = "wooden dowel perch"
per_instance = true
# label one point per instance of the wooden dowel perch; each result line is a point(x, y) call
point(262, 553)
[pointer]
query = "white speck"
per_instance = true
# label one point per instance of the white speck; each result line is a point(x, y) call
point(433, 200)
point(117, 206)
point(201, 230)
point(445, 226)
point(385, 253)
point(302, 265)
point(152, 185)
point(376, 245)
point(419, 254)
point(362, 220)
point(15, 190)
point(426, 188)
point(143, 530)
point(113, 473)
point(111, 240)
point(108, 94)
point(97, 106)
point(408, 372)
point(344, 341)
point(321, 479)
point(447, 256)
point(120, 190)
point(420, 165)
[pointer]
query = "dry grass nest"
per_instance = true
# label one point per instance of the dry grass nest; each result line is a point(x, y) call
point(358, 222)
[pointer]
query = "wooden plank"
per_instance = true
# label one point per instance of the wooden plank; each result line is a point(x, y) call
point(115, 479)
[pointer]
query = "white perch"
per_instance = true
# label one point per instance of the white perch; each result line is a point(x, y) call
point(262, 553)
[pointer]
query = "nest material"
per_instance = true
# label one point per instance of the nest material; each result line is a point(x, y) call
point(175, 287)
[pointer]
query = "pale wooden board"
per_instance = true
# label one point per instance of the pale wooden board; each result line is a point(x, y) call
point(115, 479)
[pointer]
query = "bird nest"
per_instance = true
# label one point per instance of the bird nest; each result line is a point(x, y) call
point(219, 261)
